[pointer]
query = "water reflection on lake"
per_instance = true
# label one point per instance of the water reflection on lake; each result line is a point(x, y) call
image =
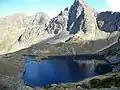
point(58, 71)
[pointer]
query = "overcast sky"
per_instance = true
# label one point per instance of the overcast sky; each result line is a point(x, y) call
point(51, 7)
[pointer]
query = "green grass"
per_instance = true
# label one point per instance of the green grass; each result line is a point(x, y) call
point(7, 69)
point(104, 81)
point(95, 83)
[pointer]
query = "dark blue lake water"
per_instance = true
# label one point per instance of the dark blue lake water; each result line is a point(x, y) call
point(58, 71)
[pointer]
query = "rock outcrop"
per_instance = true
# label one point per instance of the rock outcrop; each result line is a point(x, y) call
point(58, 28)
point(24, 88)
point(82, 22)
point(109, 21)
point(59, 23)
point(112, 53)
point(78, 17)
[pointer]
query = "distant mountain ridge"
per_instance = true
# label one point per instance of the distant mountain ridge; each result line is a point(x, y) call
point(80, 23)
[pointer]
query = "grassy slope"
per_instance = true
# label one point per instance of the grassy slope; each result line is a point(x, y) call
point(104, 81)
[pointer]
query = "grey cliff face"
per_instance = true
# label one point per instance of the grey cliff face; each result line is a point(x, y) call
point(76, 13)
point(109, 21)
point(81, 17)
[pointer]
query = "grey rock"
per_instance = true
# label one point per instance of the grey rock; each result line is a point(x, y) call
point(75, 11)
point(112, 52)
point(33, 33)
point(40, 19)
point(81, 17)
point(58, 28)
point(59, 23)
point(109, 21)
point(25, 88)
point(79, 88)
point(37, 26)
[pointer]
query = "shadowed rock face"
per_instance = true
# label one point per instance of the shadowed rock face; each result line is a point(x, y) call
point(81, 17)
point(76, 12)
point(109, 21)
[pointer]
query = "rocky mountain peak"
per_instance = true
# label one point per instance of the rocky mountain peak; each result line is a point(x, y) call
point(40, 18)
point(82, 22)
point(59, 23)
point(82, 2)
point(65, 12)
point(80, 14)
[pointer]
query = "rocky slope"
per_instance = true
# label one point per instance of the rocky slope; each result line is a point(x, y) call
point(33, 33)
point(11, 27)
point(20, 31)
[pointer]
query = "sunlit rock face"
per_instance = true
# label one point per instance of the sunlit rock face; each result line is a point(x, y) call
point(19, 31)
point(35, 32)
point(58, 28)
point(59, 23)
point(11, 27)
